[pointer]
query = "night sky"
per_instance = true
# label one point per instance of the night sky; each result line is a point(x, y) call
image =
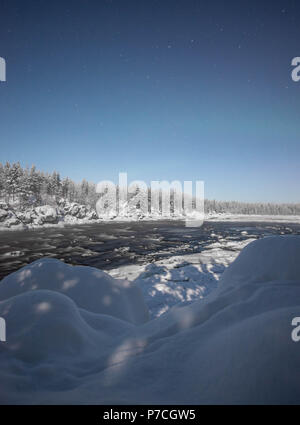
point(186, 90)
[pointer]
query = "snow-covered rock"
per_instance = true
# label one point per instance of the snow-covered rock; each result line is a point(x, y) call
point(46, 214)
point(76, 210)
point(31, 217)
point(27, 217)
point(92, 215)
point(12, 220)
point(232, 347)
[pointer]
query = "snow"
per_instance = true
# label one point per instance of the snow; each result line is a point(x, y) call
point(46, 216)
point(68, 213)
point(252, 218)
point(90, 288)
point(231, 346)
point(181, 278)
point(262, 267)
point(43, 214)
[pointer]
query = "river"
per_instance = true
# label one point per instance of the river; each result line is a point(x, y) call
point(110, 245)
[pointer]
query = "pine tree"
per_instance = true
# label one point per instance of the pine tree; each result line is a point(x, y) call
point(84, 191)
point(13, 174)
point(2, 179)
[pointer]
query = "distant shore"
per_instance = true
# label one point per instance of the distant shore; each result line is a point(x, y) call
point(49, 217)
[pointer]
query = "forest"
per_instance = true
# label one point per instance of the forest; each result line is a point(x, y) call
point(27, 187)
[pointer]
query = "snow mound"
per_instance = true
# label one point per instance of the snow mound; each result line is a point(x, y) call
point(232, 347)
point(50, 322)
point(91, 289)
point(268, 259)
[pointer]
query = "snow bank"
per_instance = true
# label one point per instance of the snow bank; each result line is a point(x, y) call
point(229, 217)
point(16, 218)
point(234, 346)
point(90, 288)
point(269, 259)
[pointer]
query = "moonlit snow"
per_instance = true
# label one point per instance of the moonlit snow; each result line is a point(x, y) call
point(77, 335)
point(89, 288)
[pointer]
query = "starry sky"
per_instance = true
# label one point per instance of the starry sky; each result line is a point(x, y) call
point(162, 89)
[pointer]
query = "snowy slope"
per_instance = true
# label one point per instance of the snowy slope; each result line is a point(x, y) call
point(181, 278)
point(233, 346)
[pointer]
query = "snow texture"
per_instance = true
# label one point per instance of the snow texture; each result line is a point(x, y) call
point(66, 345)
point(89, 288)
point(181, 278)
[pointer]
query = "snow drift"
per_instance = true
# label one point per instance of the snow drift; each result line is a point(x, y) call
point(65, 345)
point(89, 288)
point(268, 259)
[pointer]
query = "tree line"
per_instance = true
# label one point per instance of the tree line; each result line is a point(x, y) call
point(31, 187)
point(26, 187)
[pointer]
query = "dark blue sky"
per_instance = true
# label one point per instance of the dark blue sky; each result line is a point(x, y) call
point(187, 90)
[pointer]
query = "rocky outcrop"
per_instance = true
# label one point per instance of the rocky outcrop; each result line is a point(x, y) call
point(45, 214)
point(76, 210)
point(27, 217)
